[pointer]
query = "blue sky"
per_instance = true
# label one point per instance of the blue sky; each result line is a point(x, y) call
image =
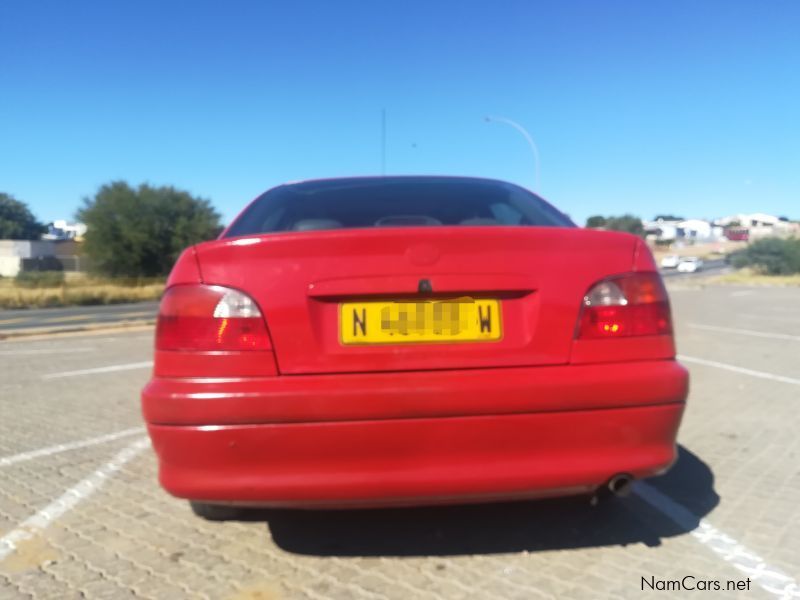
point(688, 107)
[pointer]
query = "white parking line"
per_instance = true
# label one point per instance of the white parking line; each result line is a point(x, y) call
point(782, 319)
point(735, 369)
point(771, 579)
point(36, 523)
point(108, 369)
point(753, 332)
point(50, 450)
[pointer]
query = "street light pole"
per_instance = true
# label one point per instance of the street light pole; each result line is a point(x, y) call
point(531, 143)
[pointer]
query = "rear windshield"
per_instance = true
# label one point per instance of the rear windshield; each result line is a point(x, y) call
point(394, 202)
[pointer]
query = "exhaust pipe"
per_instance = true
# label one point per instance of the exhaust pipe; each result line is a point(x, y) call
point(620, 485)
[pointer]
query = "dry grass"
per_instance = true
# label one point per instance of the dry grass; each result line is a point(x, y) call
point(79, 291)
point(751, 277)
point(705, 251)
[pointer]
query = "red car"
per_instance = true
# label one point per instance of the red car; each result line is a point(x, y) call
point(384, 341)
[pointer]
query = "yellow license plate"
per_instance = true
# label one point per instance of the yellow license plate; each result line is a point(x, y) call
point(457, 320)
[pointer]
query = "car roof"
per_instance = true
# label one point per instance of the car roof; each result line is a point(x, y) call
point(334, 182)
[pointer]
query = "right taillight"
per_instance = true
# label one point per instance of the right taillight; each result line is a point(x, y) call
point(627, 305)
point(209, 317)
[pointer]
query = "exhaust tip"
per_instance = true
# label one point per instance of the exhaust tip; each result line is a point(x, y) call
point(620, 485)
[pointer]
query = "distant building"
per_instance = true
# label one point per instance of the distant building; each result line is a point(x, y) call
point(14, 253)
point(661, 230)
point(756, 225)
point(741, 227)
point(63, 230)
point(737, 234)
point(700, 230)
point(40, 255)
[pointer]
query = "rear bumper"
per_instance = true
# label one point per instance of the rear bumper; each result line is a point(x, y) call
point(415, 461)
point(474, 435)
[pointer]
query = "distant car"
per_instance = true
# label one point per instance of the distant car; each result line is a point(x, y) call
point(670, 261)
point(382, 341)
point(690, 264)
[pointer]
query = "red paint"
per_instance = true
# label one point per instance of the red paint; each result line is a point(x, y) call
point(410, 394)
point(738, 234)
point(540, 273)
point(186, 269)
point(415, 461)
point(291, 417)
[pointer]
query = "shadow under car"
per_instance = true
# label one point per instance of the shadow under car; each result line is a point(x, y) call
point(551, 524)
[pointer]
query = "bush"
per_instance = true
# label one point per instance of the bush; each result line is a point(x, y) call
point(596, 221)
point(39, 279)
point(626, 222)
point(771, 256)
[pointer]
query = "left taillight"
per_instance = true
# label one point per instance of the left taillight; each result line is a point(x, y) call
point(209, 317)
point(633, 304)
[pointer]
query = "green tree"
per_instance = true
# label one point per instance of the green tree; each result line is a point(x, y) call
point(136, 232)
point(627, 223)
point(16, 220)
point(596, 221)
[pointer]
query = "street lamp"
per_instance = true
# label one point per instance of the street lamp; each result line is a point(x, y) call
point(531, 143)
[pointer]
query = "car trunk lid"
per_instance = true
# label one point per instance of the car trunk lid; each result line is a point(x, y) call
point(301, 280)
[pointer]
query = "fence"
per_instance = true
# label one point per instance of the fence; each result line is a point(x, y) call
point(70, 264)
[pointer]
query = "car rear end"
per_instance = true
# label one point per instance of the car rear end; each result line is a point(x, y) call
point(690, 264)
point(406, 341)
point(670, 261)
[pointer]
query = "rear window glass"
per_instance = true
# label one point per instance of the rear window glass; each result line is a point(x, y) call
point(395, 202)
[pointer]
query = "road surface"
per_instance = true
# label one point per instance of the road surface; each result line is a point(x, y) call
point(82, 515)
point(72, 317)
point(715, 266)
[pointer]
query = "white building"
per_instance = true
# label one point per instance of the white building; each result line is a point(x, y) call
point(686, 230)
point(61, 229)
point(661, 230)
point(760, 224)
point(699, 229)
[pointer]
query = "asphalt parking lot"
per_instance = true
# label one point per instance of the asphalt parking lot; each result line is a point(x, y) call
point(72, 318)
point(81, 514)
